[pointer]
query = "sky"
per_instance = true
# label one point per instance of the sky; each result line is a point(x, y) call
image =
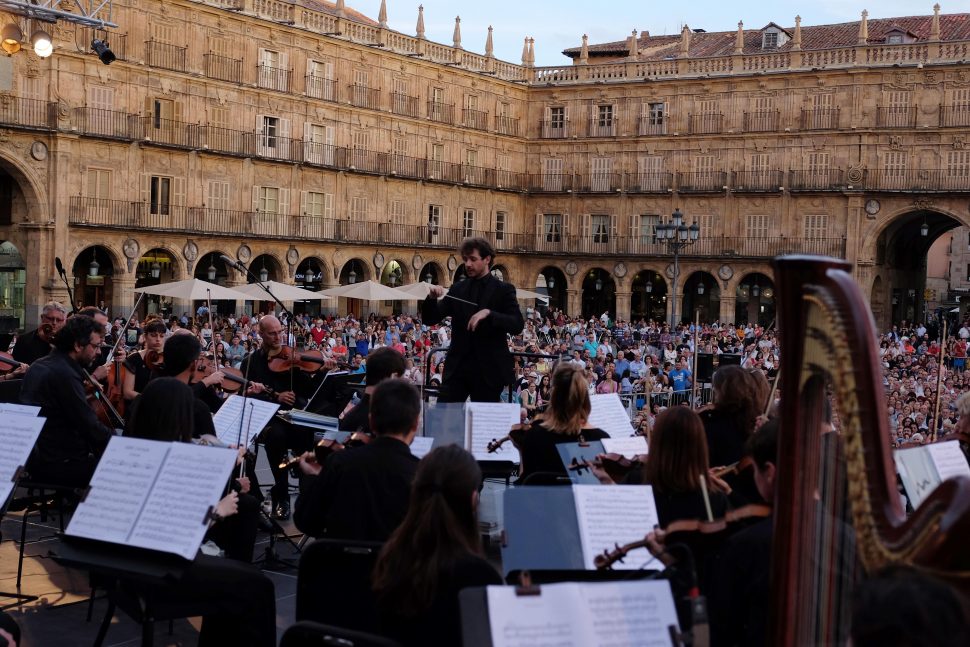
point(557, 25)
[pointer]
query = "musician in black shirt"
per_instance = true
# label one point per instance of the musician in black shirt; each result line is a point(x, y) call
point(73, 439)
point(35, 344)
point(362, 492)
point(382, 364)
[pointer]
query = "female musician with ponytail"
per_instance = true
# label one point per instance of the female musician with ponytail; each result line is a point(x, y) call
point(563, 421)
point(141, 365)
point(435, 553)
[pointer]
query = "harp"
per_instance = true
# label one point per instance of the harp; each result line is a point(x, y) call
point(838, 515)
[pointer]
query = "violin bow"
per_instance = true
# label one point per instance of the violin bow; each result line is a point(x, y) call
point(939, 384)
point(212, 329)
point(124, 329)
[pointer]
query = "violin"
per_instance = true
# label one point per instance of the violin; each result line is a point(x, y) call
point(46, 332)
point(733, 468)
point(515, 434)
point(105, 411)
point(116, 381)
point(8, 363)
point(327, 446)
point(310, 361)
point(232, 379)
point(154, 360)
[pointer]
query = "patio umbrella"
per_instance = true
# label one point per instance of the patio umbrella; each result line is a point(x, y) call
point(282, 291)
point(420, 291)
point(366, 291)
point(522, 295)
point(194, 290)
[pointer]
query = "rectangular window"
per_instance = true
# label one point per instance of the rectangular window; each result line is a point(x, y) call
point(217, 195)
point(162, 112)
point(708, 224)
point(160, 200)
point(818, 164)
point(552, 174)
point(604, 116)
point(552, 227)
point(894, 39)
point(434, 219)
point(269, 58)
point(504, 109)
point(399, 146)
point(600, 173)
point(471, 157)
point(600, 228)
point(219, 117)
point(770, 40)
point(650, 173)
point(101, 97)
point(358, 207)
point(500, 221)
point(269, 200)
point(957, 169)
point(399, 212)
point(815, 226)
point(320, 81)
point(557, 118)
point(823, 101)
point(316, 204)
point(467, 222)
point(756, 226)
point(270, 131)
point(646, 231)
point(99, 183)
point(163, 33)
point(656, 113)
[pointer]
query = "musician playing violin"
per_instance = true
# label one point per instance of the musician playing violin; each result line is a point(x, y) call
point(73, 439)
point(35, 344)
point(290, 389)
point(142, 364)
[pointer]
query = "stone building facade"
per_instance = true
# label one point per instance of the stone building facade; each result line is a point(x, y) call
point(318, 145)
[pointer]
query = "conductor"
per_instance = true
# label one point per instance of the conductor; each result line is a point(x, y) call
point(483, 312)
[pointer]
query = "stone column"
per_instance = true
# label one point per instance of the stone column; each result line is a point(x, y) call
point(574, 303)
point(623, 305)
point(728, 303)
point(122, 294)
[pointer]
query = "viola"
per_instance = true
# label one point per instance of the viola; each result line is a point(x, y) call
point(310, 361)
point(325, 447)
point(515, 435)
point(102, 407)
point(154, 360)
point(8, 363)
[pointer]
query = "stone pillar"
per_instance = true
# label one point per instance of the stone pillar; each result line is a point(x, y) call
point(122, 294)
point(623, 305)
point(728, 303)
point(574, 303)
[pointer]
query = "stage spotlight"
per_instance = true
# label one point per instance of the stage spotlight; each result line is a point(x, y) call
point(10, 38)
point(43, 46)
point(104, 52)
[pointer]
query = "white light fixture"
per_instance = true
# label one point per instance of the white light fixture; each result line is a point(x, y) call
point(42, 43)
point(352, 277)
point(756, 290)
point(263, 275)
point(11, 38)
point(648, 287)
point(94, 267)
point(599, 284)
point(427, 277)
point(700, 288)
point(551, 282)
point(924, 229)
point(155, 269)
point(211, 271)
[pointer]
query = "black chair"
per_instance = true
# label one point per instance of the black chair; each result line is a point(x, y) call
point(10, 391)
point(314, 634)
point(334, 583)
point(40, 498)
point(143, 605)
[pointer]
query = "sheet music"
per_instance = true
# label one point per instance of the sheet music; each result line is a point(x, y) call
point(191, 479)
point(18, 434)
point(119, 487)
point(421, 445)
point(948, 459)
point(10, 409)
point(153, 494)
point(595, 614)
point(608, 515)
point(608, 413)
point(488, 421)
point(580, 453)
point(628, 447)
point(258, 414)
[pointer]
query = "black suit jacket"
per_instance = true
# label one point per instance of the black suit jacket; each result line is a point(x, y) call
point(484, 352)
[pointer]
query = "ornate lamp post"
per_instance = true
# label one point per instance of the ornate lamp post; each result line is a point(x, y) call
point(676, 236)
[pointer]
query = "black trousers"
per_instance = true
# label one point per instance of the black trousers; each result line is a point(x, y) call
point(277, 437)
point(236, 535)
point(463, 385)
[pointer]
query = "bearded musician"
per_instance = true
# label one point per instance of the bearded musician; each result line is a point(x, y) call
point(289, 388)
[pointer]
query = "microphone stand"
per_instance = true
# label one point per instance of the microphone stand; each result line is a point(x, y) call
point(67, 284)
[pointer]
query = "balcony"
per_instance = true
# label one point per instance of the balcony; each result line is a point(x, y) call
point(896, 116)
point(506, 125)
point(441, 112)
point(223, 68)
point(816, 180)
point(820, 119)
point(107, 123)
point(318, 87)
point(438, 171)
point(553, 129)
point(361, 96)
point(550, 182)
point(365, 161)
point(165, 56)
point(955, 115)
point(402, 104)
point(273, 78)
point(651, 125)
point(166, 132)
point(476, 119)
point(477, 176)
point(758, 182)
point(28, 113)
point(602, 127)
point(169, 219)
point(649, 182)
point(705, 124)
point(918, 180)
point(761, 121)
point(600, 182)
point(223, 140)
point(702, 182)
point(283, 149)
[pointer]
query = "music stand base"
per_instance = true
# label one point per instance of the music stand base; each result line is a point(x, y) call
point(19, 597)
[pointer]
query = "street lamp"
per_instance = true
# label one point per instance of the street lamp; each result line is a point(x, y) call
point(94, 266)
point(550, 281)
point(352, 277)
point(263, 273)
point(599, 284)
point(649, 286)
point(427, 277)
point(676, 236)
point(211, 271)
point(700, 288)
point(155, 269)
point(756, 290)
point(924, 229)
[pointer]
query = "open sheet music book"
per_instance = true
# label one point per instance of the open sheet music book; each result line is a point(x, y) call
point(555, 528)
point(488, 421)
point(421, 445)
point(590, 614)
point(18, 434)
point(256, 416)
point(154, 495)
point(608, 413)
point(10, 409)
point(923, 468)
point(568, 452)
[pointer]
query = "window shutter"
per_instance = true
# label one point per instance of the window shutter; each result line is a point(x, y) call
point(146, 187)
point(284, 61)
point(149, 106)
point(284, 128)
point(177, 111)
point(303, 200)
point(584, 231)
point(613, 227)
point(565, 224)
point(284, 208)
point(328, 205)
point(255, 199)
point(178, 191)
point(539, 229)
point(259, 124)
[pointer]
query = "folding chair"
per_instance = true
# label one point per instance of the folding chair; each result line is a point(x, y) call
point(334, 583)
point(314, 634)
